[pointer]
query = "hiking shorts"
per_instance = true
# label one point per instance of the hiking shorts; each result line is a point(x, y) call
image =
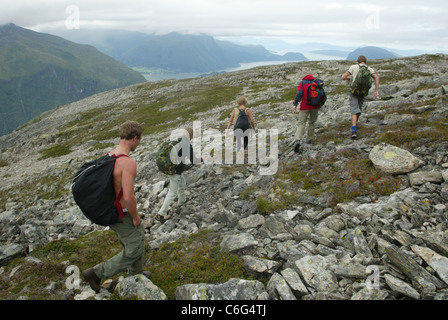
point(356, 104)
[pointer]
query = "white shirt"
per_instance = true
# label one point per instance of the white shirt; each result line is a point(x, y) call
point(354, 69)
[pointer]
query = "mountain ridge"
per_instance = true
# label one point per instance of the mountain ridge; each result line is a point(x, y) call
point(372, 52)
point(42, 71)
point(174, 52)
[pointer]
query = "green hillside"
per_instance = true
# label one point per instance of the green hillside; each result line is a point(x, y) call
point(39, 72)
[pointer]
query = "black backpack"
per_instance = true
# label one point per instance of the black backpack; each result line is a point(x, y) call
point(242, 122)
point(94, 193)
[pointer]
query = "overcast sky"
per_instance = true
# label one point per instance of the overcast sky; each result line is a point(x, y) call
point(388, 23)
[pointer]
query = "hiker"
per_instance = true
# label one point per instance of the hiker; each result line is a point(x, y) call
point(241, 118)
point(129, 229)
point(309, 108)
point(357, 96)
point(177, 180)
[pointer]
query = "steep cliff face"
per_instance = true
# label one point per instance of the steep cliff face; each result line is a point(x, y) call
point(40, 72)
point(335, 221)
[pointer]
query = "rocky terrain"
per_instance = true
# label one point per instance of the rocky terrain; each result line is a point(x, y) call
point(344, 219)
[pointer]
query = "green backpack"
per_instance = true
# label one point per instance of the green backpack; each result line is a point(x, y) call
point(363, 82)
point(163, 159)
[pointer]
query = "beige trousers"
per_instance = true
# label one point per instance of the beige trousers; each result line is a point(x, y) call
point(305, 116)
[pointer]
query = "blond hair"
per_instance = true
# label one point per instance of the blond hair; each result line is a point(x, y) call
point(242, 101)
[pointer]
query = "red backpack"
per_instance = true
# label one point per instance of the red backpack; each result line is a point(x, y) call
point(316, 95)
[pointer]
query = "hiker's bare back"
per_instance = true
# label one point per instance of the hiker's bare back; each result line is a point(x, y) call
point(125, 172)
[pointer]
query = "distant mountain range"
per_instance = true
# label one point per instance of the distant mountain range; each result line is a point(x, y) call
point(372, 53)
point(174, 52)
point(39, 72)
point(321, 48)
point(180, 53)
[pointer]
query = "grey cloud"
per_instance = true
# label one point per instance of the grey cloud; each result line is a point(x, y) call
point(348, 22)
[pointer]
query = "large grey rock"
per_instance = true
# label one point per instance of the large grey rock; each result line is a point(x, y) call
point(360, 243)
point(436, 261)
point(139, 287)
point(9, 252)
point(259, 265)
point(234, 289)
point(238, 242)
point(385, 207)
point(394, 160)
point(316, 271)
point(420, 278)
point(252, 221)
point(292, 250)
point(32, 234)
point(436, 240)
point(294, 282)
point(278, 288)
point(422, 177)
point(351, 270)
point(400, 286)
point(272, 227)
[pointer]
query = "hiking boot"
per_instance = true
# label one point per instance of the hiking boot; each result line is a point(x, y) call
point(91, 277)
point(354, 135)
point(161, 218)
point(297, 147)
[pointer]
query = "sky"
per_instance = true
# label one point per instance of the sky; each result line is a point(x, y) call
point(386, 23)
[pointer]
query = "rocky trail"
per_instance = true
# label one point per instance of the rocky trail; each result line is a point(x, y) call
point(343, 219)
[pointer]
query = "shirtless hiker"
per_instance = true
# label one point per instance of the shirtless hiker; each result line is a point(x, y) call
point(129, 230)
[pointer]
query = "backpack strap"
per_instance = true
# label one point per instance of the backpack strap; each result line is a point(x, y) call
point(117, 203)
point(236, 114)
point(363, 66)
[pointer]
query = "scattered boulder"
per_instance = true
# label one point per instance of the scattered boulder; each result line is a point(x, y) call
point(436, 261)
point(139, 287)
point(259, 265)
point(234, 289)
point(279, 289)
point(10, 252)
point(394, 160)
point(233, 243)
point(422, 177)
